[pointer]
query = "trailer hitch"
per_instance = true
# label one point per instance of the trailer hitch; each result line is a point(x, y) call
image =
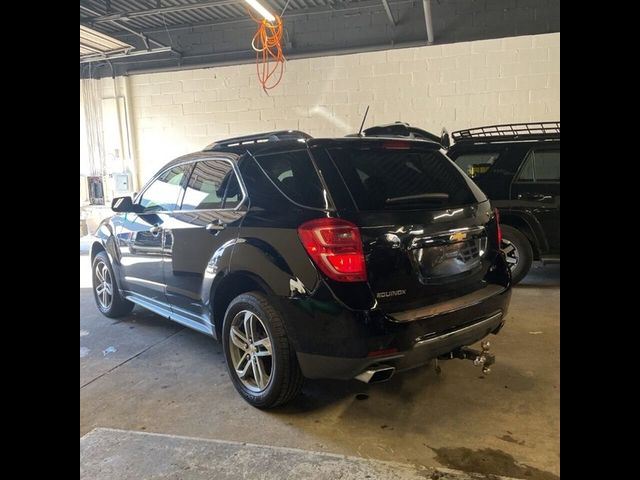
point(481, 358)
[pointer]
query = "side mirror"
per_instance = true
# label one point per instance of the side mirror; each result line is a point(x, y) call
point(445, 141)
point(123, 205)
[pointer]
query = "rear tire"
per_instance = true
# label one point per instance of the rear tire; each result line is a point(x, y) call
point(518, 252)
point(106, 293)
point(261, 361)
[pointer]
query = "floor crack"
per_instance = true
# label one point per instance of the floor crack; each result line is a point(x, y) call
point(131, 358)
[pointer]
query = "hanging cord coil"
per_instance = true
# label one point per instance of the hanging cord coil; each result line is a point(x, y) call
point(267, 43)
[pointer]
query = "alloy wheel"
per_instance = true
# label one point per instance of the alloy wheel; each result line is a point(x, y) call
point(511, 253)
point(250, 349)
point(103, 285)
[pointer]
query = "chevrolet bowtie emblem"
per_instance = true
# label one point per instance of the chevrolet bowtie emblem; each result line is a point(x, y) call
point(457, 237)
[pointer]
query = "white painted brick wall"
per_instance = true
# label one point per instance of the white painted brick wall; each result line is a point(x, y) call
point(457, 86)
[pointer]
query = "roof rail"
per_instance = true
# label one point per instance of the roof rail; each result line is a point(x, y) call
point(258, 138)
point(398, 129)
point(514, 131)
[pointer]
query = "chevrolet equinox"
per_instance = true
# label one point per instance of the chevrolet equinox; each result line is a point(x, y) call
point(319, 258)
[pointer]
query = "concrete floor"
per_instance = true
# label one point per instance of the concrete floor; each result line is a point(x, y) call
point(144, 373)
point(107, 454)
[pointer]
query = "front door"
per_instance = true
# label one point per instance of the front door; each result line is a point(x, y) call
point(140, 237)
point(196, 237)
point(537, 189)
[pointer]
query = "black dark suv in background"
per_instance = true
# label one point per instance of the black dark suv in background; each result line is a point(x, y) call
point(518, 167)
point(319, 258)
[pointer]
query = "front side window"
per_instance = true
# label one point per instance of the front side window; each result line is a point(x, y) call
point(476, 164)
point(213, 185)
point(163, 193)
point(541, 165)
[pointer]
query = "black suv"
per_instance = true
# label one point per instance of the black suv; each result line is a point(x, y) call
point(319, 258)
point(518, 167)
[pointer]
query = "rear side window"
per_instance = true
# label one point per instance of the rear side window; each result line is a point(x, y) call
point(541, 166)
point(475, 164)
point(212, 185)
point(295, 176)
point(384, 179)
point(263, 194)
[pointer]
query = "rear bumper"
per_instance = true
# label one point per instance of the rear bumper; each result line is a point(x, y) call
point(424, 350)
point(338, 343)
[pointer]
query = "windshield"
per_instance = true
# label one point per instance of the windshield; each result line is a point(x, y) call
point(383, 179)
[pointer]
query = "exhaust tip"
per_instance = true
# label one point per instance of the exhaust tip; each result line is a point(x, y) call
point(377, 374)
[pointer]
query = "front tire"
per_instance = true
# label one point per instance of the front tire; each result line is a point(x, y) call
point(518, 252)
point(261, 361)
point(108, 298)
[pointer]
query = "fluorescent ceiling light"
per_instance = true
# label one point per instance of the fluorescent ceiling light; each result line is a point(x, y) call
point(93, 42)
point(257, 6)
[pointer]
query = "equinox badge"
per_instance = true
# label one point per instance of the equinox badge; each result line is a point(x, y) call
point(393, 293)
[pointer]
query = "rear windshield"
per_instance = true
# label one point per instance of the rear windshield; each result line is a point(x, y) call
point(385, 179)
point(295, 176)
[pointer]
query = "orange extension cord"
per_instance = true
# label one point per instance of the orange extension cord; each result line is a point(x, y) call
point(267, 42)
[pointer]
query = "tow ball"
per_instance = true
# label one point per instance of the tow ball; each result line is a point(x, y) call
point(480, 358)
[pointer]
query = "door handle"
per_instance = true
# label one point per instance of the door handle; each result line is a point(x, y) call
point(155, 230)
point(533, 196)
point(215, 226)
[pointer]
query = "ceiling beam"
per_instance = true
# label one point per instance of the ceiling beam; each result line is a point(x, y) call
point(130, 15)
point(101, 58)
point(365, 5)
point(389, 14)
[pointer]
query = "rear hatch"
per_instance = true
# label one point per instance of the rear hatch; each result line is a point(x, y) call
point(428, 233)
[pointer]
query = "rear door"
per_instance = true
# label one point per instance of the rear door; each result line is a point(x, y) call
point(536, 188)
point(428, 231)
point(197, 233)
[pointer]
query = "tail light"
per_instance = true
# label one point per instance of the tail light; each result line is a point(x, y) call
point(335, 247)
point(396, 145)
point(498, 227)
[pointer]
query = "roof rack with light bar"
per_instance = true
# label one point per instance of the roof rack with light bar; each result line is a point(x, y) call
point(514, 131)
point(277, 136)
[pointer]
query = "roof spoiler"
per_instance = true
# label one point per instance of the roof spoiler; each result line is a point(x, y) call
point(398, 129)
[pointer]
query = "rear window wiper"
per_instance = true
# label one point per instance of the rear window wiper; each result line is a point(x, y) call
point(422, 196)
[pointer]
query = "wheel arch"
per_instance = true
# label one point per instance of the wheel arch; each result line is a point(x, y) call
point(528, 227)
point(257, 265)
point(229, 287)
point(95, 248)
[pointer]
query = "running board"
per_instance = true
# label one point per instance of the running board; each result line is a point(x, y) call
point(166, 313)
point(550, 260)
